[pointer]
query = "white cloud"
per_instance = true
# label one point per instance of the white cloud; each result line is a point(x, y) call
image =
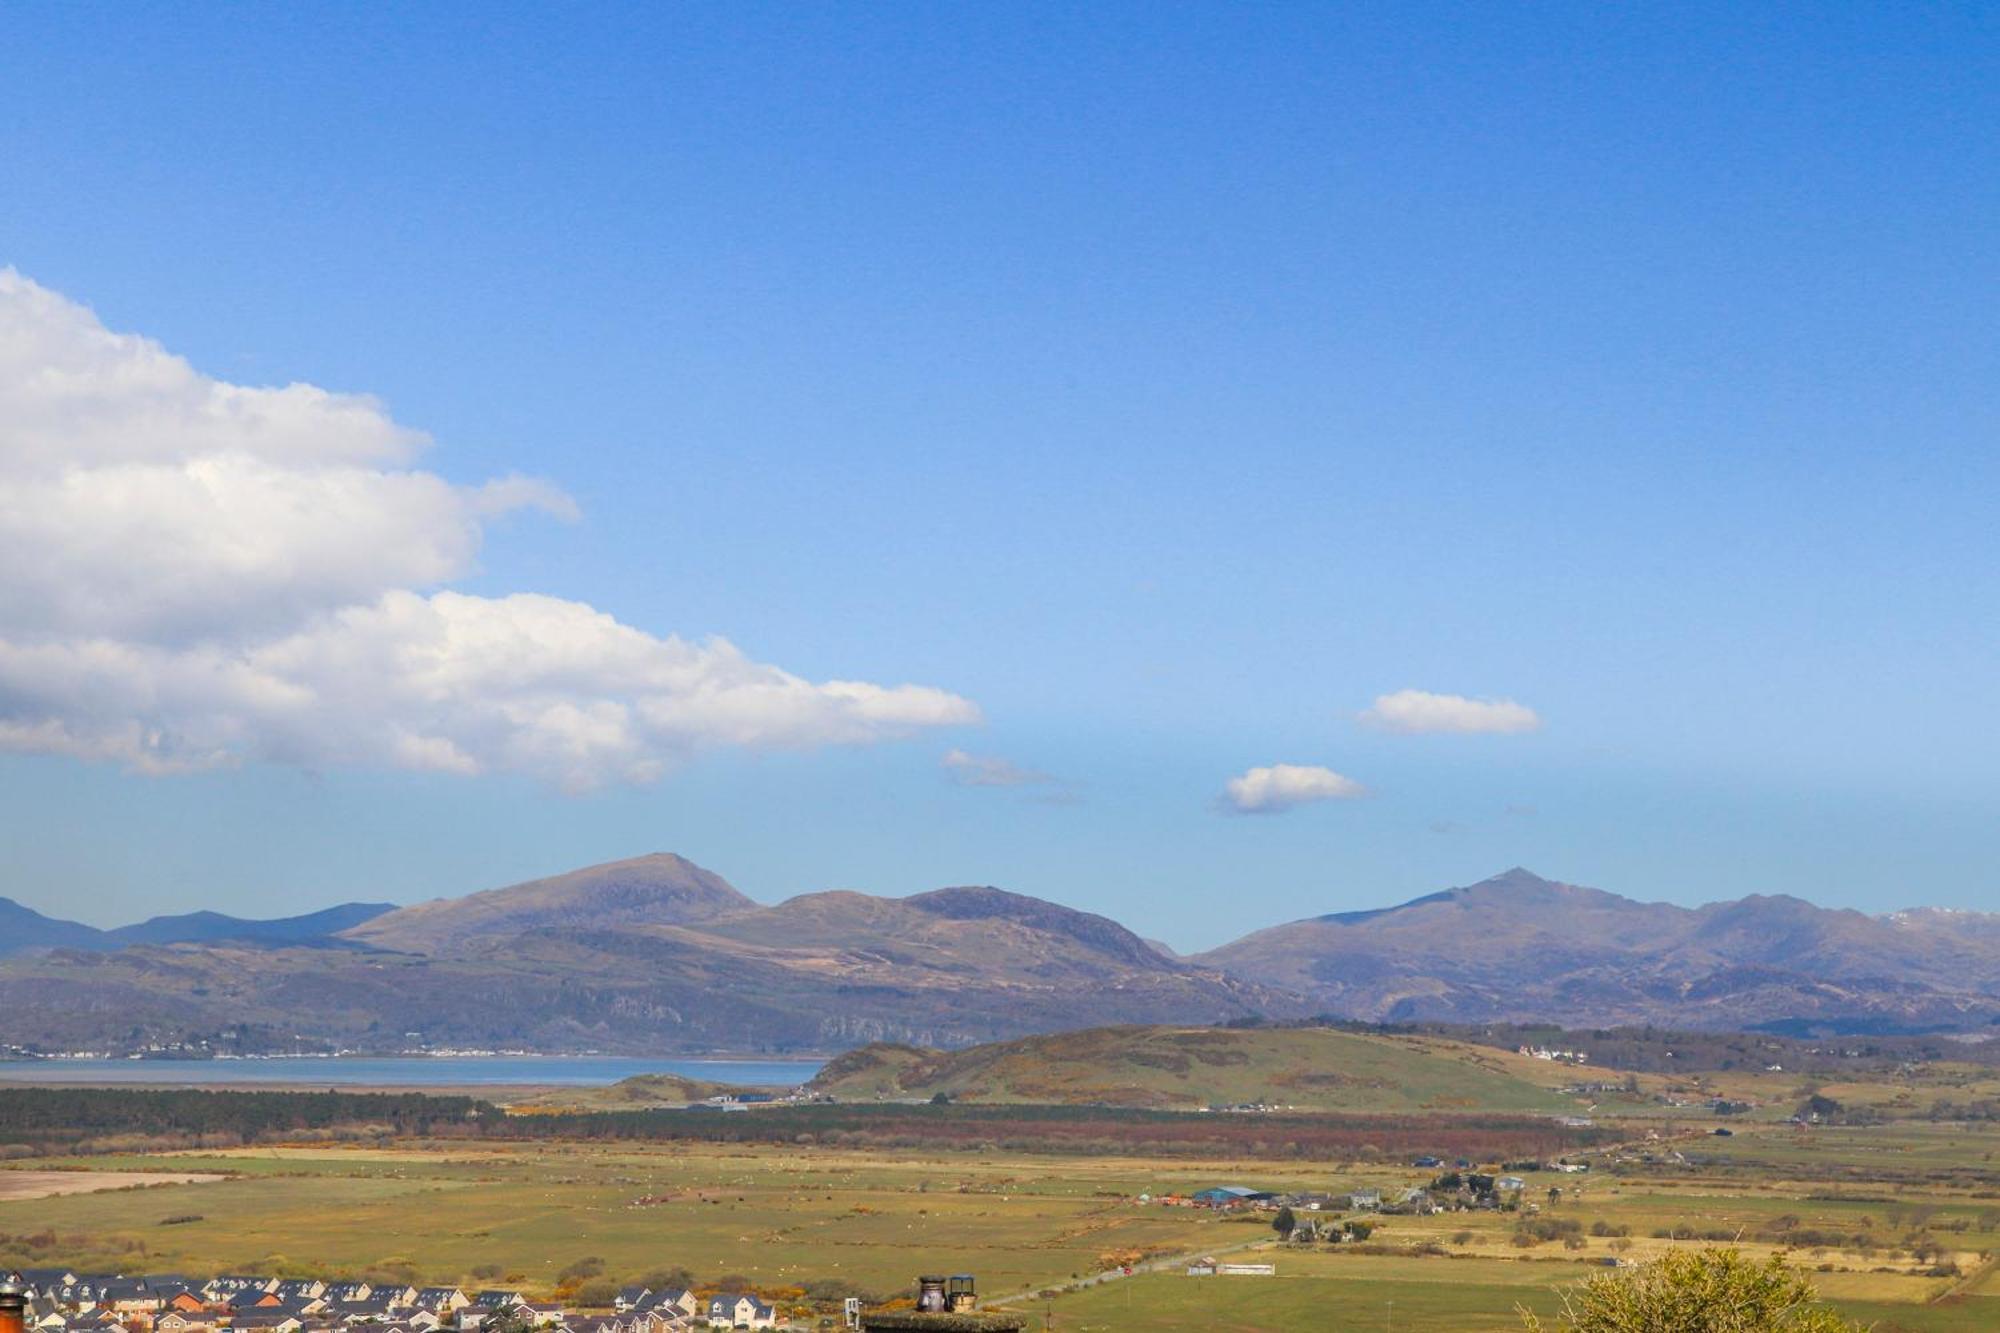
point(1419, 711)
point(1279, 787)
point(971, 770)
point(199, 573)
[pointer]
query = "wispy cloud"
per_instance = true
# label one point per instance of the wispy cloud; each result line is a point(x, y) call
point(1416, 712)
point(1279, 787)
point(975, 770)
point(200, 573)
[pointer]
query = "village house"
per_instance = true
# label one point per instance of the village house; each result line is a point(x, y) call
point(127, 1296)
point(60, 1301)
point(268, 1321)
point(731, 1310)
point(181, 1300)
point(1230, 1196)
point(673, 1303)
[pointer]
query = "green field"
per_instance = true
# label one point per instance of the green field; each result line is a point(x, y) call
point(1370, 1293)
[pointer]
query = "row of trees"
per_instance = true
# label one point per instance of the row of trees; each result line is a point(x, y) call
point(54, 1119)
point(48, 1120)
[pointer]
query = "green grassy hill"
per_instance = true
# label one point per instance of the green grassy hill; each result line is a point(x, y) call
point(1188, 1068)
point(638, 1093)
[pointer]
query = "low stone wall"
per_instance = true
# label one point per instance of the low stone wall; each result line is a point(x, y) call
point(942, 1323)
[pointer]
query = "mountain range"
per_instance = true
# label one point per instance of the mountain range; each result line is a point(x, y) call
point(657, 954)
point(1521, 948)
point(24, 930)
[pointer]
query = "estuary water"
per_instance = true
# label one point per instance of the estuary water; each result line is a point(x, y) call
point(421, 1071)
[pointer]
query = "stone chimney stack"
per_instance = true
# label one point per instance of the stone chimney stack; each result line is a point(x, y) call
point(13, 1304)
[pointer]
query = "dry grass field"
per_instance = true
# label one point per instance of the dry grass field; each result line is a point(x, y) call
point(25, 1184)
point(1897, 1221)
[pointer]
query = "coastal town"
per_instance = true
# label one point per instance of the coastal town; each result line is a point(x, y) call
point(64, 1301)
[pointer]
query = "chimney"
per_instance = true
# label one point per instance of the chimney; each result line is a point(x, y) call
point(13, 1304)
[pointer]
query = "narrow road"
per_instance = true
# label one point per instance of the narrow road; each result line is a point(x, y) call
point(1967, 1283)
point(1114, 1275)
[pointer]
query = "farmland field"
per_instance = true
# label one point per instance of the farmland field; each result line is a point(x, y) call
point(1896, 1221)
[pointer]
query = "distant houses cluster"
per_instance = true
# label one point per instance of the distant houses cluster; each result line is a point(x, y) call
point(1551, 1053)
point(62, 1301)
point(1458, 1186)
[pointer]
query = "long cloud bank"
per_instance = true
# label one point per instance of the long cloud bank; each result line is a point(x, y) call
point(200, 573)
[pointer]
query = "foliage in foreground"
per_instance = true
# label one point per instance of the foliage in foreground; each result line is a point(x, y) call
point(1697, 1291)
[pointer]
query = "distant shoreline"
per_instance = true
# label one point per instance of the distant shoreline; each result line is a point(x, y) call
point(409, 1071)
point(721, 1058)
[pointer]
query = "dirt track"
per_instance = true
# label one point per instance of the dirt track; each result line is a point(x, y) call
point(48, 1184)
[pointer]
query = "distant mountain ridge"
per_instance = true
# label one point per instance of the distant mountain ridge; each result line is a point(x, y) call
point(24, 930)
point(660, 889)
point(1517, 947)
point(656, 954)
point(648, 954)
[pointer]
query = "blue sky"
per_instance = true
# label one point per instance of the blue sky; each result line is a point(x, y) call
point(1165, 382)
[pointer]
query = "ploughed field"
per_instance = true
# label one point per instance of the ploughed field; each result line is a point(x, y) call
point(1897, 1220)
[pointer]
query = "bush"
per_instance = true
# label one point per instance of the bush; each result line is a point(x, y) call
point(1535, 1230)
point(1716, 1291)
point(668, 1279)
point(599, 1293)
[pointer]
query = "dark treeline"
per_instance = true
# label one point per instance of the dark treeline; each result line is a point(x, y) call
point(46, 1119)
point(56, 1120)
point(1085, 1129)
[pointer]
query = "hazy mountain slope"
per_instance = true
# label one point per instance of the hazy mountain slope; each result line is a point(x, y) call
point(633, 989)
point(1519, 947)
point(955, 933)
point(661, 889)
point(23, 929)
point(656, 954)
point(194, 926)
point(1188, 1068)
point(1515, 925)
point(653, 954)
